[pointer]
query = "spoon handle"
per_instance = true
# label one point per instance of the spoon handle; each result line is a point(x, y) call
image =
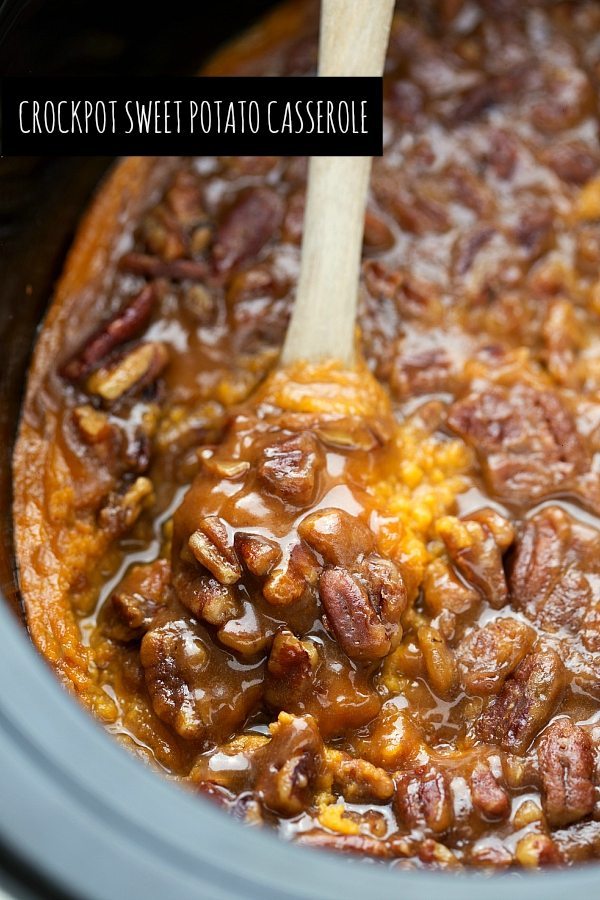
point(354, 39)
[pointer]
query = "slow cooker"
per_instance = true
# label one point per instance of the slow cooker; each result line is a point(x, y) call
point(79, 818)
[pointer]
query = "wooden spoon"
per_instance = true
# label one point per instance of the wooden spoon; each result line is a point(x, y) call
point(354, 39)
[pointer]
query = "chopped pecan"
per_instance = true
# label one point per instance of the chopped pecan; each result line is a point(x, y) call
point(290, 468)
point(357, 780)
point(443, 590)
point(290, 658)
point(573, 161)
point(525, 704)
point(487, 655)
point(248, 634)
point(566, 765)
point(93, 425)
point(339, 537)
point(423, 800)
point(127, 324)
point(288, 582)
point(292, 764)
point(122, 510)
point(206, 597)
point(387, 592)
point(252, 221)
point(351, 616)
point(476, 553)
point(259, 554)
point(132, 608)
point(535, 850)
point(489, 796)
point(440, 663)
point(138, 368)
point(232, 765)
point(211, 547)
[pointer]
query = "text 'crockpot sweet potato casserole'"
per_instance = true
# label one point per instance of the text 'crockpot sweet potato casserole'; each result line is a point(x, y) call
point(365, 611)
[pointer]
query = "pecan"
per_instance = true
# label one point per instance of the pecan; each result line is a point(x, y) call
point(525, 704)
point(130, 611)
point(443, 590)
point(193, 686)
point(535, 850)
point(289, 658)
point(360, 844)
point(173, 270)
point(259, 554)
point(122, 510)
point(291, 766)
point(290, 468)
point(526, 440)
point(138, 368)
point(206, 597)
point(357, 780)
point(566, 765)
point(232, 765)
point(339, 537)
point(184, 199)
point(387, 592)
point(351, 616)
point(554, 574)
point(489, 796)
point(252, 221)
point(440, 663)
point(125, 325)
point(248, 634)
point(378, 235)
point(475, 552)
point(210, 546)
point(423, 800)
point(93, 425)
point(288, 583)
point(490, 653)
point(573, 161)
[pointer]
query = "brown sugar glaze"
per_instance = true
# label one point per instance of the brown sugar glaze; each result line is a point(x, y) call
point(373, 622)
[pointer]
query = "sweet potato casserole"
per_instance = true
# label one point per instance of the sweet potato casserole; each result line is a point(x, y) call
point(361, 607)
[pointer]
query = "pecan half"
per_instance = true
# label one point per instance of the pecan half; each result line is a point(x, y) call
point(288, 583)
point(423, 800)
point(246, 228)
point(525, 704)
point(489, 796)
point(351, 617)
point(127, 324)
point(566, 765)
point(489, 654)
point(173, 270)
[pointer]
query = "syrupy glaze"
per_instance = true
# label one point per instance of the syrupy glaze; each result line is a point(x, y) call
point(372, 621)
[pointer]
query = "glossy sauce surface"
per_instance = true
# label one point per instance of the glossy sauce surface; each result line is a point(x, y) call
point(373, 619)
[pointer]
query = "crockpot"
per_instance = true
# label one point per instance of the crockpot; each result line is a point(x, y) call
point(79, 817)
